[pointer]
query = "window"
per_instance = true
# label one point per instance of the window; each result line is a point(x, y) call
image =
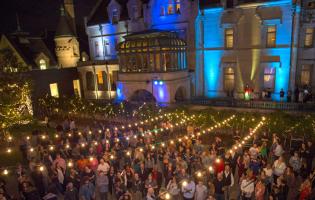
point(229, 38)
point(76, 88)
point(170, 9)
point(115, 17)
point(228, 79)
point(42, 64)
point(162, 11)
point(54, 90)
point(269, 78)
point(135, 13)
point(271, 36)
point(177, 6)
point(102, 81)
point(83, 58)
point(106, 48)
point(306, 75)
point(90, 82)
point(309, 33)
point(97, 49)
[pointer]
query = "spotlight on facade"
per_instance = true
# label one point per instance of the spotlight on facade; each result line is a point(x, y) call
point(155, 82)
point(160, 82)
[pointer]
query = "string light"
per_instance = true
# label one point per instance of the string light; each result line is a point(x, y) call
point(70, 164)
point(9, 150)
point(5, 172)
point(184, 183)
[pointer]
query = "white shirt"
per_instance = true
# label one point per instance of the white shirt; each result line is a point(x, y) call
point(253, 152)
point(247, 187)
point(278, 150)
point(103, 167)
point(279, 168)
point(172, 188)
point(201, 192)
point(189, 190)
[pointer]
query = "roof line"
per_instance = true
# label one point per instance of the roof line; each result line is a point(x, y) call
point(94, 9)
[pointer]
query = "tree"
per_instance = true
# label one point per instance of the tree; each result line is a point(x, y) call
point(15, 87)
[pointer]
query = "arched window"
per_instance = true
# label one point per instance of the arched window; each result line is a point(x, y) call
point(42, 64)
point(90, 82)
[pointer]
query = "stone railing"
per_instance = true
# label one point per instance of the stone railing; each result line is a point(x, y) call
point(269, 105)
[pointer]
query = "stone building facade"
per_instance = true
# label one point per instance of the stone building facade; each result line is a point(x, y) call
point(111, 20)
point(246, 46)
point(305, 75)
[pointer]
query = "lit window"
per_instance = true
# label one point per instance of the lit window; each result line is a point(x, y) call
point(271, 36)
point(54, 90)
point(97, 49)
point(76, 88)
point(229, 38)
point(306, 74)
point(309, 35)
point(42, 64)
point(228, 79)
point(170, 9)
point(83, 58)
point(115, 17)
point(106, 48)
point(100, 79)
point(162, 11)
point(178, 6)
point(269, 78)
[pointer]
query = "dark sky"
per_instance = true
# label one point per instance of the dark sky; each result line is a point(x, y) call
point(37, 15)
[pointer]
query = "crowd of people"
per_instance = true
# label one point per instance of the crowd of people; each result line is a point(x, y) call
point(108, 163)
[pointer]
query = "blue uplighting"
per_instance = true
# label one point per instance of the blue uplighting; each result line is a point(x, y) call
point(155, 82)
point(161, 82)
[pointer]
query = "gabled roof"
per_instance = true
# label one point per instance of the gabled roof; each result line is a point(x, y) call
point(30, 47)
point(99, 14)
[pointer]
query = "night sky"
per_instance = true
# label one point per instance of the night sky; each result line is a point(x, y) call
point(37, 15)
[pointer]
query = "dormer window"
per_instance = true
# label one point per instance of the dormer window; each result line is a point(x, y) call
point(177, 4)
point(42, 64)
point(115, 17)
point(135, 12)
point(170, 9)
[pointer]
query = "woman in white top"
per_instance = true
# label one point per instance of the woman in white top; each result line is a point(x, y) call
point(172, 188)
point(247, 188)
point(279, 167)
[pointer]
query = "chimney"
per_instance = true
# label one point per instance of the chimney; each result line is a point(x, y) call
point(70, 14)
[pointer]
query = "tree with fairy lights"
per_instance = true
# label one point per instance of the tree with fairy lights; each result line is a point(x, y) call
point(15, 103)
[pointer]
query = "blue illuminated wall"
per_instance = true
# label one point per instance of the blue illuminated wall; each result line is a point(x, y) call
point(161, 92)
point(209, 35)
point(249, 54)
